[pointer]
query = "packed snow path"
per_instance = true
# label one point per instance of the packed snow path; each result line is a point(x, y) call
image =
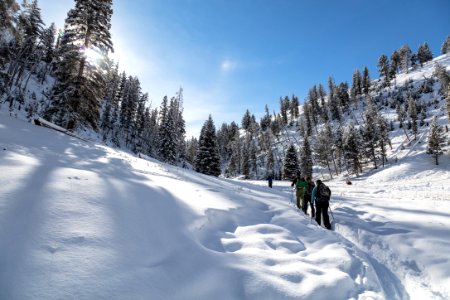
point(83, 221)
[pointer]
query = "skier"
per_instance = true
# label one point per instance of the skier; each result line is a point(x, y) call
point(308, 194)
point(321, 198)
point(270, 180)
point(300, 185)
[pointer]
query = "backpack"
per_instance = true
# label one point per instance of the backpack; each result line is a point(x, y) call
point(323, 193)
point(310, 188)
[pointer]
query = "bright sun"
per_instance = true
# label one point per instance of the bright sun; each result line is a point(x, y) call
point(93, 56)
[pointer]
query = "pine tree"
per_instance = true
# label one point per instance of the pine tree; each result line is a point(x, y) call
point(266, 119)
point(383, 69)
point(270, 164)
point(384, 141)
point(246, 121)
point(306, 161)
point(445, 48)
point(191, 149)
point(366, 81)
point(80, 77)
point(234, 165)
point(167, 132)
point(284, 107)
point(395, 63)
point(307, 118)
point(294, 107)
point(370, 132)
point(8, 8)
point(444, 78)
point(207, 159)
point(405, 57)
point(351, 146)
point(356, 84)
point(436, 140)
point(290, 165)
point(323, 148)
point(424, 54)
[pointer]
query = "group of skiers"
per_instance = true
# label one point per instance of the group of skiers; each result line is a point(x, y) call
point(316, 195)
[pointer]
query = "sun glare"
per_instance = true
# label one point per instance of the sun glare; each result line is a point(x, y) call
point(93, 56)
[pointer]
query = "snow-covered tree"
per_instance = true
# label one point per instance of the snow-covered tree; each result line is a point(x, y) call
point(405, 57)
point(323, 148)
point(445, 48)
point(366, 81)
point(436, 140)
point(424, 54)
point(207, 159)
point(383, 69)
point(352, 149)
point(80, 68)
point(290, 165)
point(306, 160)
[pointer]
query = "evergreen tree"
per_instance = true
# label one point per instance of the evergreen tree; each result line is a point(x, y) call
point(8, 8)
point(270, 164)
point(370, 132)
point(424, 54)
point(356, 84)
point(306, 161)
point(444, 78)
point(436, 140)
point(383, 139)
point(352, 150)
point(294, 107)
point(323, 148)
point(284, 107)
point(207, 159)
point(80, 77)
point(234, 165)
point(191, 150)
point(366, 81)
point(307, 118)
point(383, 69)
point(405, 57)
point(48, 43)
point(167, 132)
point(246, 121)
point(395, 64)
point(290, 165)
point(246, 159)
point(266, 119)
point(445, 48)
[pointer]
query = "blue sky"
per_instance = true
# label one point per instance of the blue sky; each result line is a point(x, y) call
point(233, 55)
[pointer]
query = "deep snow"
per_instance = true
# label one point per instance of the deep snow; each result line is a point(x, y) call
point(79, 220)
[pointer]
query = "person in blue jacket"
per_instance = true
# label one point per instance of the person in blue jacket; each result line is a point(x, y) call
point(322, 203)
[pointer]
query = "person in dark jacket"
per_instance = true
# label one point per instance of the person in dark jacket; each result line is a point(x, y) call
point(308, 194)
point(322, 203)
point(270, 180)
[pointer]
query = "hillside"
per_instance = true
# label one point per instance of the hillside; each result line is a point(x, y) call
point(81, 220)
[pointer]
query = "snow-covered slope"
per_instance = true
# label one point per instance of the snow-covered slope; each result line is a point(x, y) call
point(82, 221)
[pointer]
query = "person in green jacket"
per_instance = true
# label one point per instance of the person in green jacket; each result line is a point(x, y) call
point(300, 185)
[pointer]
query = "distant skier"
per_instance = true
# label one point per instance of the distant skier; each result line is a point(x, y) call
point(300, 185)
point(270, 180)
point(308, 194)
point(321, 198)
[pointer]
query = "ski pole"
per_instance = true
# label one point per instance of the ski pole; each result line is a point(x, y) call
point(331, 212)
